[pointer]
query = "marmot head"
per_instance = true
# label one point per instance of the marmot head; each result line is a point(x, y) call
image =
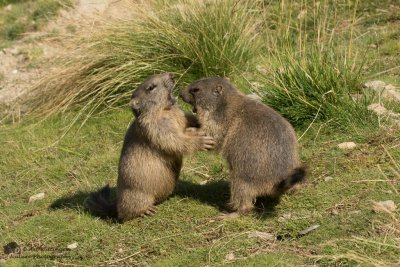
point(154, 94)
point(208, 94)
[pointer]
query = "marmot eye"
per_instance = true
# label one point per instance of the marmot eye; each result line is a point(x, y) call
point(151, 87)
point(194, 90)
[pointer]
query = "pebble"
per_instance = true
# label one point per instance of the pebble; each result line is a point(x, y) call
point(347, 145)
point(36, 197)
point(375, 85)
point(72, 246)
point(377, 108)
point(384, 206)
point(230, 256)
point(388, 91)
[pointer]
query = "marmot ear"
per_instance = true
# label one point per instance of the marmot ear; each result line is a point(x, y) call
point(218, 90)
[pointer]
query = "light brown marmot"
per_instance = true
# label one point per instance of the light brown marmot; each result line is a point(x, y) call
point(151, 157)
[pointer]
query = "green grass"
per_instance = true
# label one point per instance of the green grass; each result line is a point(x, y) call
point(316, 87)
point(184, 230)
point(25, 16)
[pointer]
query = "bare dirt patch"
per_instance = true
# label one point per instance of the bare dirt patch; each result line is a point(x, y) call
point(32, 57)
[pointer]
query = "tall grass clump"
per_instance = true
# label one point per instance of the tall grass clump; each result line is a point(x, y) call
point(313, 72)
point(190, 38)
point(315, 86)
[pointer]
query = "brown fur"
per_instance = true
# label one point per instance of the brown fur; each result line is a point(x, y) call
point(259, 145)
point(151, 157)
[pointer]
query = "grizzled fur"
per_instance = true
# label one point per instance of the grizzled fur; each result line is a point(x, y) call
point(259, 145)
point(151, 156)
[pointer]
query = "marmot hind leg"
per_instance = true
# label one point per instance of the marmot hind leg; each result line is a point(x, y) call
point(132, 204)
point(242, 197)
point(242, 200)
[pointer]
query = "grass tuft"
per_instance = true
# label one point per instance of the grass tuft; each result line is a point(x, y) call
point(316, 86)
point(191, 39)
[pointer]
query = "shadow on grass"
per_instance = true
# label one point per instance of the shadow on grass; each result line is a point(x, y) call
point(73, 201)
point(265, 206)
point(214, 193)
point(76, 201)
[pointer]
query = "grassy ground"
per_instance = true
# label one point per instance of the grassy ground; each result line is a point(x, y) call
point(43, 157)
point(184, 231)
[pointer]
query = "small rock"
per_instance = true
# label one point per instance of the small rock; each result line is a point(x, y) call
point(203, 182)
point(14, 72)
point(230, 256)
point(309, 229)
point(377, 108)
point(72, 246)
point(9, 7)
point(381, 110)
point(347, 145)
point(375, 85)
point(372, 46)
point(390, 87)
point(387, 206)
point(261, 235)
point(2, 261)
point(36, 197)
point(391, 92)
point(328, 178)
point(388, 91)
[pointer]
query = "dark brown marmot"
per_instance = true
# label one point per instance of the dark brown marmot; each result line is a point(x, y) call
point(259, 145)
point(151, 157)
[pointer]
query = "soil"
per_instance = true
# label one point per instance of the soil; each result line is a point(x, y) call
point(27, 61)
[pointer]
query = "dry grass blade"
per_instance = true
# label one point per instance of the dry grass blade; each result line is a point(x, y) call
point(217, 38)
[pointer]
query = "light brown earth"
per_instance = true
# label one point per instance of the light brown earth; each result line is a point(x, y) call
point(26, 62)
